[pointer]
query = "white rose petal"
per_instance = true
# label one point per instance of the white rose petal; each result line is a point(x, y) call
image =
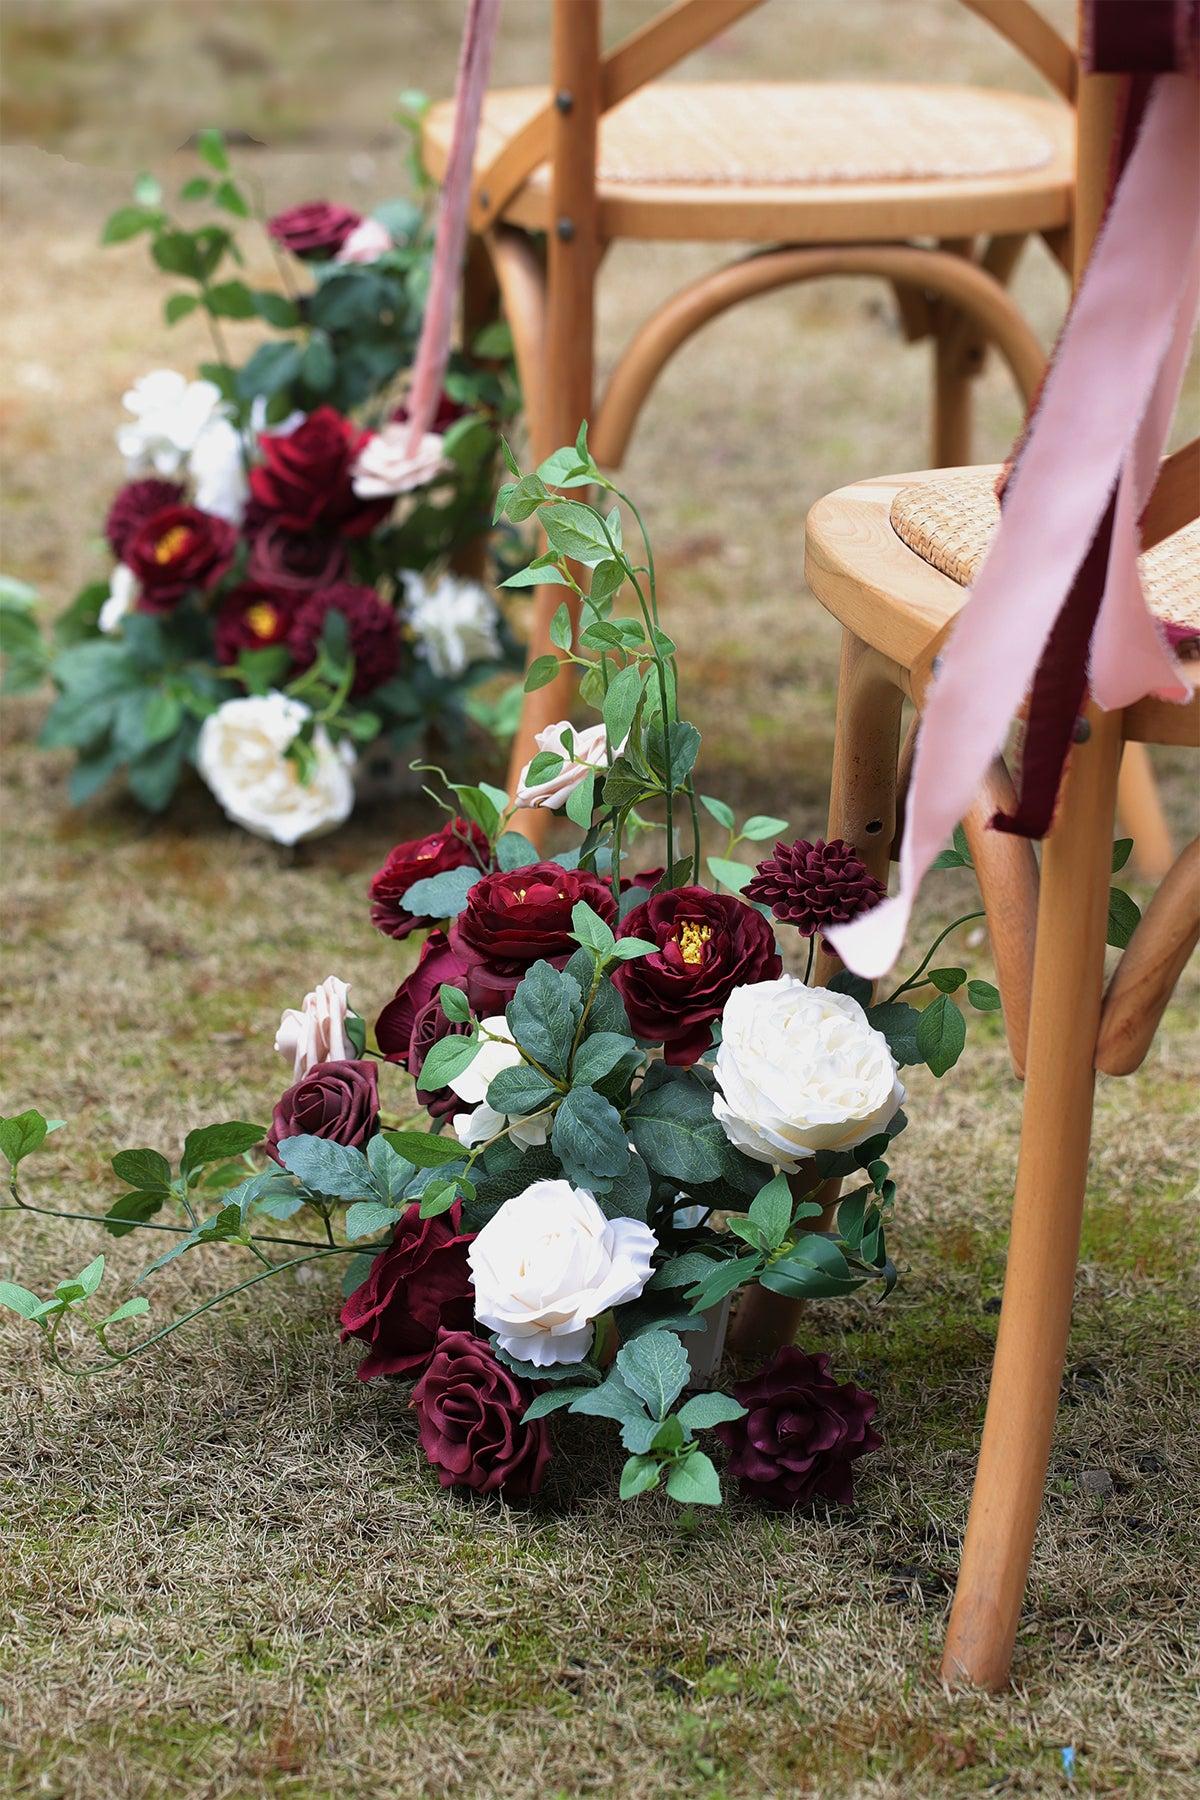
point(548, 1263)
point(801, 1070)
point(122, 598)
point(590, 753)
point(496, 1052)
point(453, 623)
point(169, 414)
point(217, 467)
point(315, 1031)
point(387, 465)
point(366, 244)
point(241, 755)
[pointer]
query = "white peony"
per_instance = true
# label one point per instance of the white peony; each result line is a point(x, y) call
point(549, 1263)
point(169, 414)
point(590, 752)
point(241, 755)
point(453, 623)
point(366, 244)
point(217, 467)
point(495, 1053)
point(387, 464)
point(800, 1070)
point(122, 598)
point(315, 1032)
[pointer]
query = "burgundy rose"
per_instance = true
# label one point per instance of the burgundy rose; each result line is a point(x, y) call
point(317, 228)
point(175, 550)
point(412, 1022)
point(251, 618)
point(135, 503)
point(469, 1411)
point(708, 944)
point(642, 878)
point(815, 885)
point(800, 1433)
point(292, 562)
point(516, 917)
point(335, 1100)
point(417, 1287)
point(446, 414)
point(452, 847)
point(372, 626)
point(304, 480)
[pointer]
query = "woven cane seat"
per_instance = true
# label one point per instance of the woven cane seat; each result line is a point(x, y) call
point(822, 161)
point(949, 520)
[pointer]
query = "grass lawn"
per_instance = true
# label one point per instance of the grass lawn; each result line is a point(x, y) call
point(223, 1572)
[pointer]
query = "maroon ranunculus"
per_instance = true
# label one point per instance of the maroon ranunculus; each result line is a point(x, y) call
point(135, 503)
point(317, 228)
point(815, 885)
point(469, 1409)
point(446, 414)
point(418, 1286)
point(412, 1022)
point(708, 944)
point(800, 1433)
point(336, 1100)
point(303, 482)
point(178, 549)
point(251, 618)
point(292, 562)
point(517, 917)
point(372, 628)
point(457, 845)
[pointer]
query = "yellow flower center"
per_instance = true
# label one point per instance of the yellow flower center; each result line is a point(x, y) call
point(691, 941)
point(262, 618)
point(171, 543)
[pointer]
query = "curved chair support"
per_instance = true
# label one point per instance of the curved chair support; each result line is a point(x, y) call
point(521, 276)
point(951, 277)
point(1153, 962)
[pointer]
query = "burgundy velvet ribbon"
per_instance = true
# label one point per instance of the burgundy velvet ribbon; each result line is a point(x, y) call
point(1141, 37)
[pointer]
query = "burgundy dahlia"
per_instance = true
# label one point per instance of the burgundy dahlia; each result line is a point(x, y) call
point(469, 1409)
point(337, 1100)
point(317, 228)
point(800, 1433)
point(304, 481)
point(412, 1022)
point(457, 845)
point(708, 944)
point(372, 627)
point(176, 550)
point(418, 1286)
point(814, 886)
point(516, 917)
point(292, 562)
point(134, 504)
point(251, 618)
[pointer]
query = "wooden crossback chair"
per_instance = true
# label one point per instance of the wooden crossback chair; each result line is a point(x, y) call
point(888, 558)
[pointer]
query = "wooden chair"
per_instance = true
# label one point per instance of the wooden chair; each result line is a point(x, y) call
point(888, 558)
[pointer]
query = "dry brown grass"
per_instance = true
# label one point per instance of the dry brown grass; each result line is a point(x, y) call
point(223, 1572)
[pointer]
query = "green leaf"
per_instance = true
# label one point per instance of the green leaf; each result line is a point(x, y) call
point(178, 306)
point(734, 875)
point(134, 1308)
point(983, 996)
point(338, 1171)
point(590, 930)
point(551, 1401)
point(1120, 853)
point(198, 187)
point(656, 1368)
point(230, 196)
point(230, 300)
point(142, 1169)
point(673, 1129)
point(447, 1060)
point(628, 949)
point(639, 1475)
point(761, 825)
point(212, 1143)
point(694, 1481)
point(276, 309)
point(560, 628)
point(844, 981)
point(598, 1056)
point(536, 575)
point(126, 222)
point(577, 1373)
point(441, 896)
point(24, 1133)
point(947, 980)
point(91, 1277)
point(941, 1034)
point(210, 145)
point(424, 1150)
point(1123, 916)
point(454, 1004)
point(519, 1091)
point(581, 801)
point(541, 672)
point(438, 1198)
point(899, 1023)
point(318, 367)
point(19, 1299)
point(566, 469)
point(134, 1208)
point(611, 1400)
point(542, 1016)
point(620, 704)
point(721, 813)
point(367, 1217)
point(588, 1137)
point(771, 1211)
point(723, 1279)
point(574, 530)
point(703, 1411)
point(147, 190)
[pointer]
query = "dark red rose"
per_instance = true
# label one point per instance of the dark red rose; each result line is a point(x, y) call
point(178, 549)
point(800, 1433)
point(304, 480)
point(447, 413)
point(516, 917)
point(709, 944)
point(335, 1100)
point(292, 562)
point(374, 633)
point(469, 1411)
point(643, 878)
point(417, 1287)
point(412, 1022)
point(814, 886)
point(318, 228)
point(448, 848)
point(135, 503)
point(251, 618)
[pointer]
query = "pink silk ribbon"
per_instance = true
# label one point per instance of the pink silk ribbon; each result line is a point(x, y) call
point(1099, 432)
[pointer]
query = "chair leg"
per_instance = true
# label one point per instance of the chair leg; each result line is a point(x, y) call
point(1140, 812)
point(866, 751)
point(1047, 1211)
point(956, 361)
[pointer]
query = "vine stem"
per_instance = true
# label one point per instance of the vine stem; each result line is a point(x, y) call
point(914, 979)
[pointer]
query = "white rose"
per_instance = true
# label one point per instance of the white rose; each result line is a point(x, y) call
point(169, 414)
point(366, 244)
point(217, 467)
point(241, 755)
point(122, 598)
point(549, 1263)
point(800, 1070)
point(453, 623)
point(590, 752)
point(315, 1032)
point(387, 465)
point(496, 1052)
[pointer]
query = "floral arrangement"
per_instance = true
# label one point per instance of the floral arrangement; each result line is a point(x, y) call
point(283, 590)
point(629, 1112)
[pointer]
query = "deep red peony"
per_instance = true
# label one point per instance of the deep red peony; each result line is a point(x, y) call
point(251, 618)
point(815, 885)
point(517, 917)
point(177, 550)
point(469, 1411)
point(449, 848)
point(317, 228)
point(709, 944)
point(336, 1100)
point(412, 1022)
point(303, 482)
point(372, 625)
point(800, 1433)
point(292, 562)
point(134, 504)
point(417, 1287)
